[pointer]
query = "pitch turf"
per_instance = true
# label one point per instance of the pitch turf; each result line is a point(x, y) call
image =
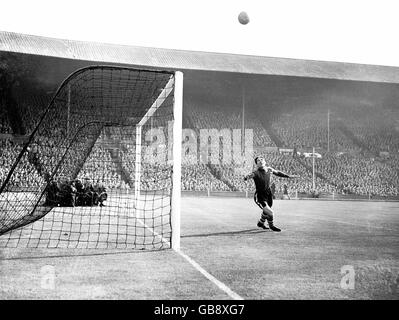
point(304, 261)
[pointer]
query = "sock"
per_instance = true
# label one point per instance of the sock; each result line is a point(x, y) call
point(263, 218)
point(270, 222)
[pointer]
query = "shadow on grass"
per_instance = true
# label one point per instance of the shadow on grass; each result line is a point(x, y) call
point(71, 254)
point(227, 233)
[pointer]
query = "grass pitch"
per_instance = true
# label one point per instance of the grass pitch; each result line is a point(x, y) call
point(307, 260)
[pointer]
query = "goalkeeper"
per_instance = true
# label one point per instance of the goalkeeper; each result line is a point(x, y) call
point(263, 195)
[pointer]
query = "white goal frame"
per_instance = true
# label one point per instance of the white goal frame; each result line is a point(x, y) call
point(176, 84)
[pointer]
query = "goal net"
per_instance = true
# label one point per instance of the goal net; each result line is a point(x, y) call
point(101, 169)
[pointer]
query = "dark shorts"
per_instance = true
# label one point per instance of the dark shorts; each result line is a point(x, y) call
point(263, 199)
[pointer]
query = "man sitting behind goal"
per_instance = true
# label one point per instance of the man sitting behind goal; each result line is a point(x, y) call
point(263, 195)
point(101, 194)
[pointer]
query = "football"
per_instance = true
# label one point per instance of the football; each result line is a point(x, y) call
point(243, 17)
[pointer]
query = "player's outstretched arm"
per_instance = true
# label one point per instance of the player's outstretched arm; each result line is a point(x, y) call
point(279, 173)
point(249, 176)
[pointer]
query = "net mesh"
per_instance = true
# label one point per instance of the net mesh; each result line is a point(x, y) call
point(93, 174)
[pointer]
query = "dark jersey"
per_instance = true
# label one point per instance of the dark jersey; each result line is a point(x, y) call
point(262, 183)
point(262, 177)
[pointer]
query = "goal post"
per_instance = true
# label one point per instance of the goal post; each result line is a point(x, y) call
point(177, 146)
point(95, 172)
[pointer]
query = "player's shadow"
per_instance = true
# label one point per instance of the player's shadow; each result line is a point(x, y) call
point(227, 233)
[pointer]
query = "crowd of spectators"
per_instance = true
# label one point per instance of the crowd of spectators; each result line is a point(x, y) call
point(344, 169)
point(305, 129)
point(198, 177)
point(157, 176)
point(4, 124)
point(376, 128)
point(354, 174)
point(217, 117)
point(102, 170)
point(26, 175)
point(31, 109)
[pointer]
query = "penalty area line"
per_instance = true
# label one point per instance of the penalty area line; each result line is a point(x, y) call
point(205, 273)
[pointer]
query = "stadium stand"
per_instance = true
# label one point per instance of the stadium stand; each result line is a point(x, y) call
point(353, 164)
point(4, 123)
